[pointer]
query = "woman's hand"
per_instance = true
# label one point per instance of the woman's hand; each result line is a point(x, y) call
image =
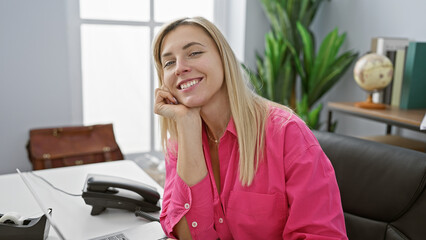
point(168, 106)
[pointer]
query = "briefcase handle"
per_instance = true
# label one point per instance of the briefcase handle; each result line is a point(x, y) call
point(57, 131)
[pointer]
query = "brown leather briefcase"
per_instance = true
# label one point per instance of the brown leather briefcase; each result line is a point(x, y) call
point(69, 146)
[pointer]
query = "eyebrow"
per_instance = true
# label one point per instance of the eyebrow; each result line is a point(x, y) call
point(184, 47)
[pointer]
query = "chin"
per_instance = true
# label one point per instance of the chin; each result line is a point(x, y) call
point(192, 103)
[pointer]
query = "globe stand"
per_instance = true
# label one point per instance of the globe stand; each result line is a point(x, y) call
point(368, 103)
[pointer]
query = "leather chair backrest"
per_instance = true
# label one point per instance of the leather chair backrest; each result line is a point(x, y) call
point(382, 187)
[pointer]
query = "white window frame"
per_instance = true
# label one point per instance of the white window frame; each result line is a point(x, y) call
point(223, 18)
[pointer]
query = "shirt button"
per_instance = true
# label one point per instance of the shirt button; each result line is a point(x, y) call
point(220, 220)
point(194, 224)
point(186, 205)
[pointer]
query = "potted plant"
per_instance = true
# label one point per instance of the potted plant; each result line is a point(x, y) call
point(290, 55)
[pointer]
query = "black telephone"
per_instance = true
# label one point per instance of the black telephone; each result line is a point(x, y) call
point(102, 191)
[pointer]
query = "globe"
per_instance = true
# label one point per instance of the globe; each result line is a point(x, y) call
point(373, 72)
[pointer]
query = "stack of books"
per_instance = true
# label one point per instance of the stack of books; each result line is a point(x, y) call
point(408, 87)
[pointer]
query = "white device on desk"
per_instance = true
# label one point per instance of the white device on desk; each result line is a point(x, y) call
point(150, 230)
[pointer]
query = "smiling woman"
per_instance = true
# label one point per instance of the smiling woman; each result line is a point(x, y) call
point(237, 165)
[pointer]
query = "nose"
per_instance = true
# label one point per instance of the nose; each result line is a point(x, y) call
point(182, 67)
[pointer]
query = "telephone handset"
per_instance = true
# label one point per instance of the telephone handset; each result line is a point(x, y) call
point(102, 191)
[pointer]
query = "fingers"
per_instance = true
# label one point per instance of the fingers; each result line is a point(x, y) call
point(164, 95)
point(174, 100)
point(164, 103)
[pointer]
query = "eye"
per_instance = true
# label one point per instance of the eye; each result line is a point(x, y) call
point(168, 63)
point(195, 53)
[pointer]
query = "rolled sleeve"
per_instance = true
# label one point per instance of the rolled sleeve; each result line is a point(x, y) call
point(200, 214)
point(195, 203)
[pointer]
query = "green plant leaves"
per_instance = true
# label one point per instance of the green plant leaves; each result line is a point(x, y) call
point(310, 116)
point(274, 79)
point(290, 55)
point(324, 69)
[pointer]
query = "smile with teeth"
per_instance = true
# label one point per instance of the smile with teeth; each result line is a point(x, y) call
point(189, 84)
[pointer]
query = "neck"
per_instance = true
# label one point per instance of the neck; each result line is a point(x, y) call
point(216, 116)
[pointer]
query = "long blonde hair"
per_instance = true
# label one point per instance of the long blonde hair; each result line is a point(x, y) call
point(247, 108)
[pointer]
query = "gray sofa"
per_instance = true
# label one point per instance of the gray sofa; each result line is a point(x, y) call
point(382, 187)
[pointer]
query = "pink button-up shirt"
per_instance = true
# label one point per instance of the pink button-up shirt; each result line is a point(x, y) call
point(294, 194)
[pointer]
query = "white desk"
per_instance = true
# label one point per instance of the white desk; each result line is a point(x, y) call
point(71, 214)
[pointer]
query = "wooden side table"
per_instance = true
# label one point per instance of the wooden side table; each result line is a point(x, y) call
point(391, 116)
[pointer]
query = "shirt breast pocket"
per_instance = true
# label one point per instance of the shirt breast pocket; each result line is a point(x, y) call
point(256, 215)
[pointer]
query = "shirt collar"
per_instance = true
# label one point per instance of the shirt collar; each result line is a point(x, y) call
point(231, 127)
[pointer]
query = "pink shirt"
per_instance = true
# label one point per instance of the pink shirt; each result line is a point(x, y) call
point(294, 194)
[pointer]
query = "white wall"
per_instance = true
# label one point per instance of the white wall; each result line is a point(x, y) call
point(230, 18)
point(257, 25)
point(34, 82)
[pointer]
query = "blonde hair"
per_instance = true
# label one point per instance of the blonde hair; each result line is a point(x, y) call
point(247, 108)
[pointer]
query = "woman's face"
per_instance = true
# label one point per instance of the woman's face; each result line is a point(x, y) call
point(192, 67)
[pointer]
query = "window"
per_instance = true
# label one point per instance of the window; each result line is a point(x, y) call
point(116, 67)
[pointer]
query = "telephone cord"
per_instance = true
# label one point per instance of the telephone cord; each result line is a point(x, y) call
point(58, 189)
